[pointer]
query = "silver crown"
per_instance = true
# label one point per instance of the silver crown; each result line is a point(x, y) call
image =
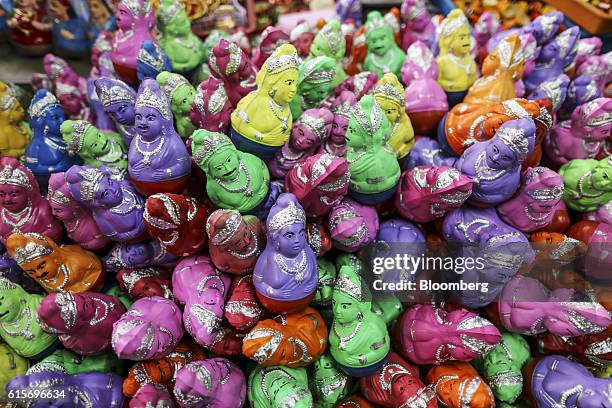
point(334, 38)
point(377, 23)
point(343, 109)
point(388, 91)
point(311, 75)
point(228, 231)
point(287, 216)
point(316, 125)
point(175, 81)
point(345, 285)
point(90, 183)
point(449, 26)
point(138, 8)
point(79, 129)
point(58, 197)
point(15, 177)
point(275, 64)
point(516, 140)
point(44, 105)
point(547, 194)
point(149, 99)
point(167, 14)
point(302, 28)
point(32, 250)
point(114, 94)
point(210, 145)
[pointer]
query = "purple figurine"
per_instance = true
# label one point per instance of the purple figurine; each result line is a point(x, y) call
point(349, 9)
point(581, 90)
point(417, 23)
point(232, 66)
point(486, 27)
point(215, 383)
point(202, 288)
point(494, 165)
point(341, 108)
point(102, 120)
point(554, 89)
point(352, 225)
point(545, 26)
point(149, 330)
point(535, 203)
point(427, 152)
point(158, 161)
point(118, 100)
point(138, 255)
point(152, 395)
point(286, 273)
point(116, 206)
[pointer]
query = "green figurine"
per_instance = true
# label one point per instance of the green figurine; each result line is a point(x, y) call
point(501, 368)
point(202, 72)
point(384, 55)
point(315, 83)
point(68, 362)
point(96, 148)
point(181, 94)
point(279, 386)
point(183, 47)
point(388, 308)
point(358, 339)
point(19, 324)
point(327, 383)
point(588, 183)
point(325, 285)
point(11, 365)
point(330, 42)
point(235, 179)
point(374, 168)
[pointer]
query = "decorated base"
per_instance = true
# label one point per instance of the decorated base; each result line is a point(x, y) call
point(362, 371)
point(246, 145)
point(455, 98)
point(148, 188)
point(425, 122)
point(128, 74)
point(373, 199)
point(284, 306)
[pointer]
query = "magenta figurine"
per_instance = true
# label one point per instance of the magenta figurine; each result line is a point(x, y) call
point(426, 101)
point(426, 193)
point(359, 84)
point(302, 36)
point(146, 282)
point(486, 27)
point(211, 107)
point(149, 330)
point(352, 225)
point(152, 395)
point(271, 38)
point(309, 131)
point(417, 24)
point(581, 90)
point(138, 255)
point(535, 202)
point(215, 383)
point(77, 219)
point(320, 182)
point(426, 334)
point(233, 66)
point(494, 165)
point(587, 47)
point(135, 20)
point(286, 272)
point(341, 108)
point(22, 208)
point(242, 309)
point(69, 88)
point(198, 285)
point(83, 321)
point(118, 100)
point(581, 137)
point(602, 214)
point(116, 206)
point(158, 161)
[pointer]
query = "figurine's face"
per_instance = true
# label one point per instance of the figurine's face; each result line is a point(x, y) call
point(99, 12)
point(389, 108)
point(183, 98)
point(282, 390)
point(212, 294)
point(161, 370)
point(286, 86)
point(96, 142)
point(224, 165)
point(339, 127)
point(403, 384)
point(303, 43)
point(354, 137)
point(246, 74)
point(122, 112)
point(16, 114)
point(71, 103)
point(109, 192)
point(13, 198)
point(290, 240)
point(148, 122)
point(124, 18)
point(324, 367)
point(242, 239)
point(302, 138)
point(460, 41)
point(44, 267)
point(147, 287)
point(315, 93)
point(380, 41)
point(61, 212)
point(325, 291)
point(602, 178)
point(345, 308)
point(8, 308)
point(137, 254)
point(499, 156)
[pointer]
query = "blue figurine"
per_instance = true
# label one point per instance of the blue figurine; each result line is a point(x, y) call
point(70, 28)
point(46, 152)
point(151, 61)
point(100, 17)
point(6, 9)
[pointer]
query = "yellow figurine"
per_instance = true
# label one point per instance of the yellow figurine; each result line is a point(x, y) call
point(14, 131)
point(261, 122)
point(456, 66)
point(389, 94)
point(500, 69)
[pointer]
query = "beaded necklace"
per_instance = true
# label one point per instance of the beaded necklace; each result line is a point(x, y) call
point(14, 330)
point(344, 340)
point(297, 269)
point(146, 155)
point(246, 189)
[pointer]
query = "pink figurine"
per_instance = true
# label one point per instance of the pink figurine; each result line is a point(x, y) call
point(320, 182)
point(535, 202)
point(352, 225)
point(211, 108)
point(486, 27)
point(233, 66)
point(198, 285)
point(83, 321)
point(70, 89)
point(341, 108)
point(146, 282)
point(531, 52)
point(581, 137)
point(150, 330)
point(135, 20)
point(302, 37)
point(22, 208)
point(77, 219)
point(271, 39)
point(426, 193)
point(426, 102)
point(426, 334)
point(526, 306)
point(598, 67)
point(418, 25)
point(359, 84)
point(603, 214)
point(152, 395)
point(310, 130)
point(587, 47)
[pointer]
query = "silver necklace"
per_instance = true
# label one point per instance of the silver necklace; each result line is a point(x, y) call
point(130, 199)
point(252, 252)
point(376, 61)
point(13, 330)
point(484, 172)
point(343, 340)
point(22, 217)
point(297, 269)
point(55, 145)
point(146, 155)
point(537, 220)
point(581, 193)
point(107, 307)
point(284, 120)
point(246, 189)
point(74, 227)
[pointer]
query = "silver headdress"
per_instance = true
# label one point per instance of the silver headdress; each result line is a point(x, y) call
point(8, 99)
point(449, 26)
point(377, 23)
point(89, 184)
point(44, 105)
point(169, 12)
point(388, 91)
point(226, 233)
point(275, 64)
point(217, 100)
point(516, 140)
point(151, 99)
point(138, 8)
point(15, 177)
point(32, 250)
point(301, 28)
point(287, 216)
point(58, 197)
point(371, 124)
point(235, 56)
point(79, 129)
point(68, 310)
point(174, 82)
point(115, 93)
point(316, 125)
point(347, 286)
point(311, 75)
point(210, 145)
point(333, 37)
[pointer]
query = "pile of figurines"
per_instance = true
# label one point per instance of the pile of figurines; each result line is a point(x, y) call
point(187, 226)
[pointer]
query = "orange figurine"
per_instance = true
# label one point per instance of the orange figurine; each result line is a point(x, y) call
point(458, 385)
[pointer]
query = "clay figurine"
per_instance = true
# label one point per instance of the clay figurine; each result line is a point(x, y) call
point(587, 183)
point(302, 36)
point(145, 282)
point(96, 148)
point(15, 132)
point(68, 87)
point(152, 394)
point(315, 83)
point(328, 383)
point(99, 117)
point(352, 225)
point(341, 108)
point(330, 42)
point(359, 84)
point(271, 387)
point(349, 9)
point(138, 255)
point(118, 100)
point(29, 31)
point(151, 61)
point(487, 26)
point(271, 39)
point(418, 25)
point(457, 383)
point(581, 90)
point(181, 94)
point(232, 65)
point(211, 108)
point(384, 55)
point(242, 309)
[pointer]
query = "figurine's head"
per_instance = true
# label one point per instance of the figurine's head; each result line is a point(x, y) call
point(594, 118)
point(84, 139)
point(348, 9)
point(151, 60)
point(271, 39)
point(226, 228)
point(67, 312)
point(278, 77)
point(554, 90)
point(379, 34)
point(419, 63)
point(34, 253)
point(351, 298)
point(211, 40)
point(286, 225)
point(17, 185)
point(543, 188)
point(456, 382)
point(178, 90)
point(215, 154)
point(99, 11)
point(10, 307)
point(486, 26)
point(359, 84)
point(9, 105)
point(531, 52)
point(389, 94)
point(415, 13)
point(545, 26)
point(602, 175)
point(153, 115)
point(502, 366)
point(311, 129)
point(94, 186)
point(242, 309)
point(172, 18)
point(329, 41)
point(144, 282)
point(316, 78)
point(128, 13)
point(511, 145)
point(281, 387)
point(227, 61)
point(152, 394)
point(507, 56)
point(368, 124)
point(59, 197)
point(117, 98)
point(325, 287)
point(211, 109)
point(302, 37)
point(341, 108)
point(455, 34)
point(46, 113)
point(568, 46)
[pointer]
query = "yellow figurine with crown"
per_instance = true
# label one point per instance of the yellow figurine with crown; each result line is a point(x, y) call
point(261, 122)
point(14, 130)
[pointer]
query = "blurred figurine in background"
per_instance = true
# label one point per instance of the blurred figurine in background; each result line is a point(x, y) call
point(14, 130)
